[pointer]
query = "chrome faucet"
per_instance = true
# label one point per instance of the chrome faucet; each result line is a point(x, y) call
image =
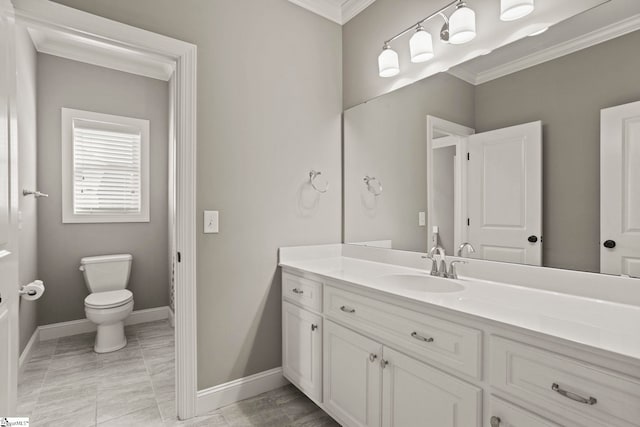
point(435, 270)
point(453, 273)
point(465, 245)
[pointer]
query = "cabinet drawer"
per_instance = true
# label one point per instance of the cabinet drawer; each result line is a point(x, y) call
point(304, 292)
point(424, 337)
point(585, 394)
point(504, 414)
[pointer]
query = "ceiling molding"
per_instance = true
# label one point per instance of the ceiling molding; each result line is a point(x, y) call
point(338, 11)
point(587, 40)
point(351, 8)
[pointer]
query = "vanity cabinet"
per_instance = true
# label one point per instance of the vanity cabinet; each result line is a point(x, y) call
point(302, 349)
point(368, 384)
point(370, 359)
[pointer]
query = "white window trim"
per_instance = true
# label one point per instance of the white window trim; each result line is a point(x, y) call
point(68, 215)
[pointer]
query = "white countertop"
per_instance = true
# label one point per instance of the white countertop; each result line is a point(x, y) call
point(606, 325)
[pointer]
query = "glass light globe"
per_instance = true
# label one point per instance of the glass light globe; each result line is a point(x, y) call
point(510, 10)
point(388, 64)
point(421, 46)
point(462, 25)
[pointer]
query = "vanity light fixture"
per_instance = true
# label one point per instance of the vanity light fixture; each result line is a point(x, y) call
point(462, 24)
point(421, 45)
point(458, 29)
point(510, 10)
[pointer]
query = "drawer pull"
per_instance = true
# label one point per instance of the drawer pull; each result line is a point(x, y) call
point(421, 338)
point(297, 291)
point(587, 401)
point(495, 421)
point(383, 363)
point(314, 327)
point(347, 309)
point(372, 357)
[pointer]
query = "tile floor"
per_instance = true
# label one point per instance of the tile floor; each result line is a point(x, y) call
point(66, 383)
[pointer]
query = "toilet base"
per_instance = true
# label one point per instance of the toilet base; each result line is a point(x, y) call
point(110, 338)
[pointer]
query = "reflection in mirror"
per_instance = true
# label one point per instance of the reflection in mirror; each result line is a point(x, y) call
point(531, 154)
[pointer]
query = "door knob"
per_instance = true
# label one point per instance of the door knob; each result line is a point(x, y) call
point(532, 239)
point(610, 244)
point(495, 421)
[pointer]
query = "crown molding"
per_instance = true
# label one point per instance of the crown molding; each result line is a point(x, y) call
point(338, 11)
point(618, 29)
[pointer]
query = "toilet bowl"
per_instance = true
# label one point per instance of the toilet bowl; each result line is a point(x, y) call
point(109, 303)
point(108, 310)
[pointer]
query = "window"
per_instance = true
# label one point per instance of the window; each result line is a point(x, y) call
point(105, 168)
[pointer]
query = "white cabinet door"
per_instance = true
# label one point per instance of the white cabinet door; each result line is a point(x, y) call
point(504, 194)
point(620, 190)
point(302, 349)
point(352, 377)
point(415, 394)
point(504, 414)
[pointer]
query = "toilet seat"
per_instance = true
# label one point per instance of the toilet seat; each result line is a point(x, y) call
point(109, 299)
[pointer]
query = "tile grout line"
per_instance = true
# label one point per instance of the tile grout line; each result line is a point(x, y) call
point(153, 387)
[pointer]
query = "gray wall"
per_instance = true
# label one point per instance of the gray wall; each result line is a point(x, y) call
point(567, 94)
point(26, 61)
point(65, 83)
point(386, 138)
point(269, 105)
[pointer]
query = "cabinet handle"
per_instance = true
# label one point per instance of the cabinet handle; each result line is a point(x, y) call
point(421, 338)
point(347, 309)
point(495, 421)
point(298, 291)
point(372, 357)
point(314, 327)
point(383, 363)
point(569, 395)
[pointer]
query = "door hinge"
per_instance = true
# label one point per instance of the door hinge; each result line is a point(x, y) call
point(179, 257)
point(468, 156)
point(468, 222)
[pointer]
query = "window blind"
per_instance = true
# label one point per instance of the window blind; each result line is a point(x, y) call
point(106, 169)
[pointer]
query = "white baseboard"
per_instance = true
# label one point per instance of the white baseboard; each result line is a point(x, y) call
point(172, 318)
point(244, 388)
point(81, 326)
point(26, 353)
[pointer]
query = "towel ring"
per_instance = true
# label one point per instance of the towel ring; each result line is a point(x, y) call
point(313, 175)
point(373, 185)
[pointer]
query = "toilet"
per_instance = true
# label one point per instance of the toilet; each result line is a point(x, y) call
point(109, 302)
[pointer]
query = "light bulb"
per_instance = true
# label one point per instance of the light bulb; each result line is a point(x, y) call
point(388, 64)
point(462, 25)
point(421, 46)
point(510, 10)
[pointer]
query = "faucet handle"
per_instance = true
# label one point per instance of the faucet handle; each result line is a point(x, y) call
point(453, 274)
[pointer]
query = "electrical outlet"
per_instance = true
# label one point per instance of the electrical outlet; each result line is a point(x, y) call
point(211, 221)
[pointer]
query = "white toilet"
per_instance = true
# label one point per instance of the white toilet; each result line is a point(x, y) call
point(109, 302)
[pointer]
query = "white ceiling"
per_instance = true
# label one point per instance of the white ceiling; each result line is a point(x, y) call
point(607, 21)
point(339, 11)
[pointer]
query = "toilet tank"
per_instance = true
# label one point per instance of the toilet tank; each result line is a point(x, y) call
point(106, 272)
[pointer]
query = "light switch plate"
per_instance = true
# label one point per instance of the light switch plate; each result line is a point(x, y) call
point(422, 219)
point(211, 221)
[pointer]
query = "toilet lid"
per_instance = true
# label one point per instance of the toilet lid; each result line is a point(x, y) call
point(108, 299)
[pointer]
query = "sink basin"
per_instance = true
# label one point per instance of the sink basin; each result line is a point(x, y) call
point(421, 283)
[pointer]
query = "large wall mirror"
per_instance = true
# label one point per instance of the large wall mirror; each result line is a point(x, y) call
point(531, 153)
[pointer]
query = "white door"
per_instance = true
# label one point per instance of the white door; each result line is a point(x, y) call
point(620, 190)
point(302, 349)
point(504, 194)
point(415, 394)
point(8, 217)
point(352, 377)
